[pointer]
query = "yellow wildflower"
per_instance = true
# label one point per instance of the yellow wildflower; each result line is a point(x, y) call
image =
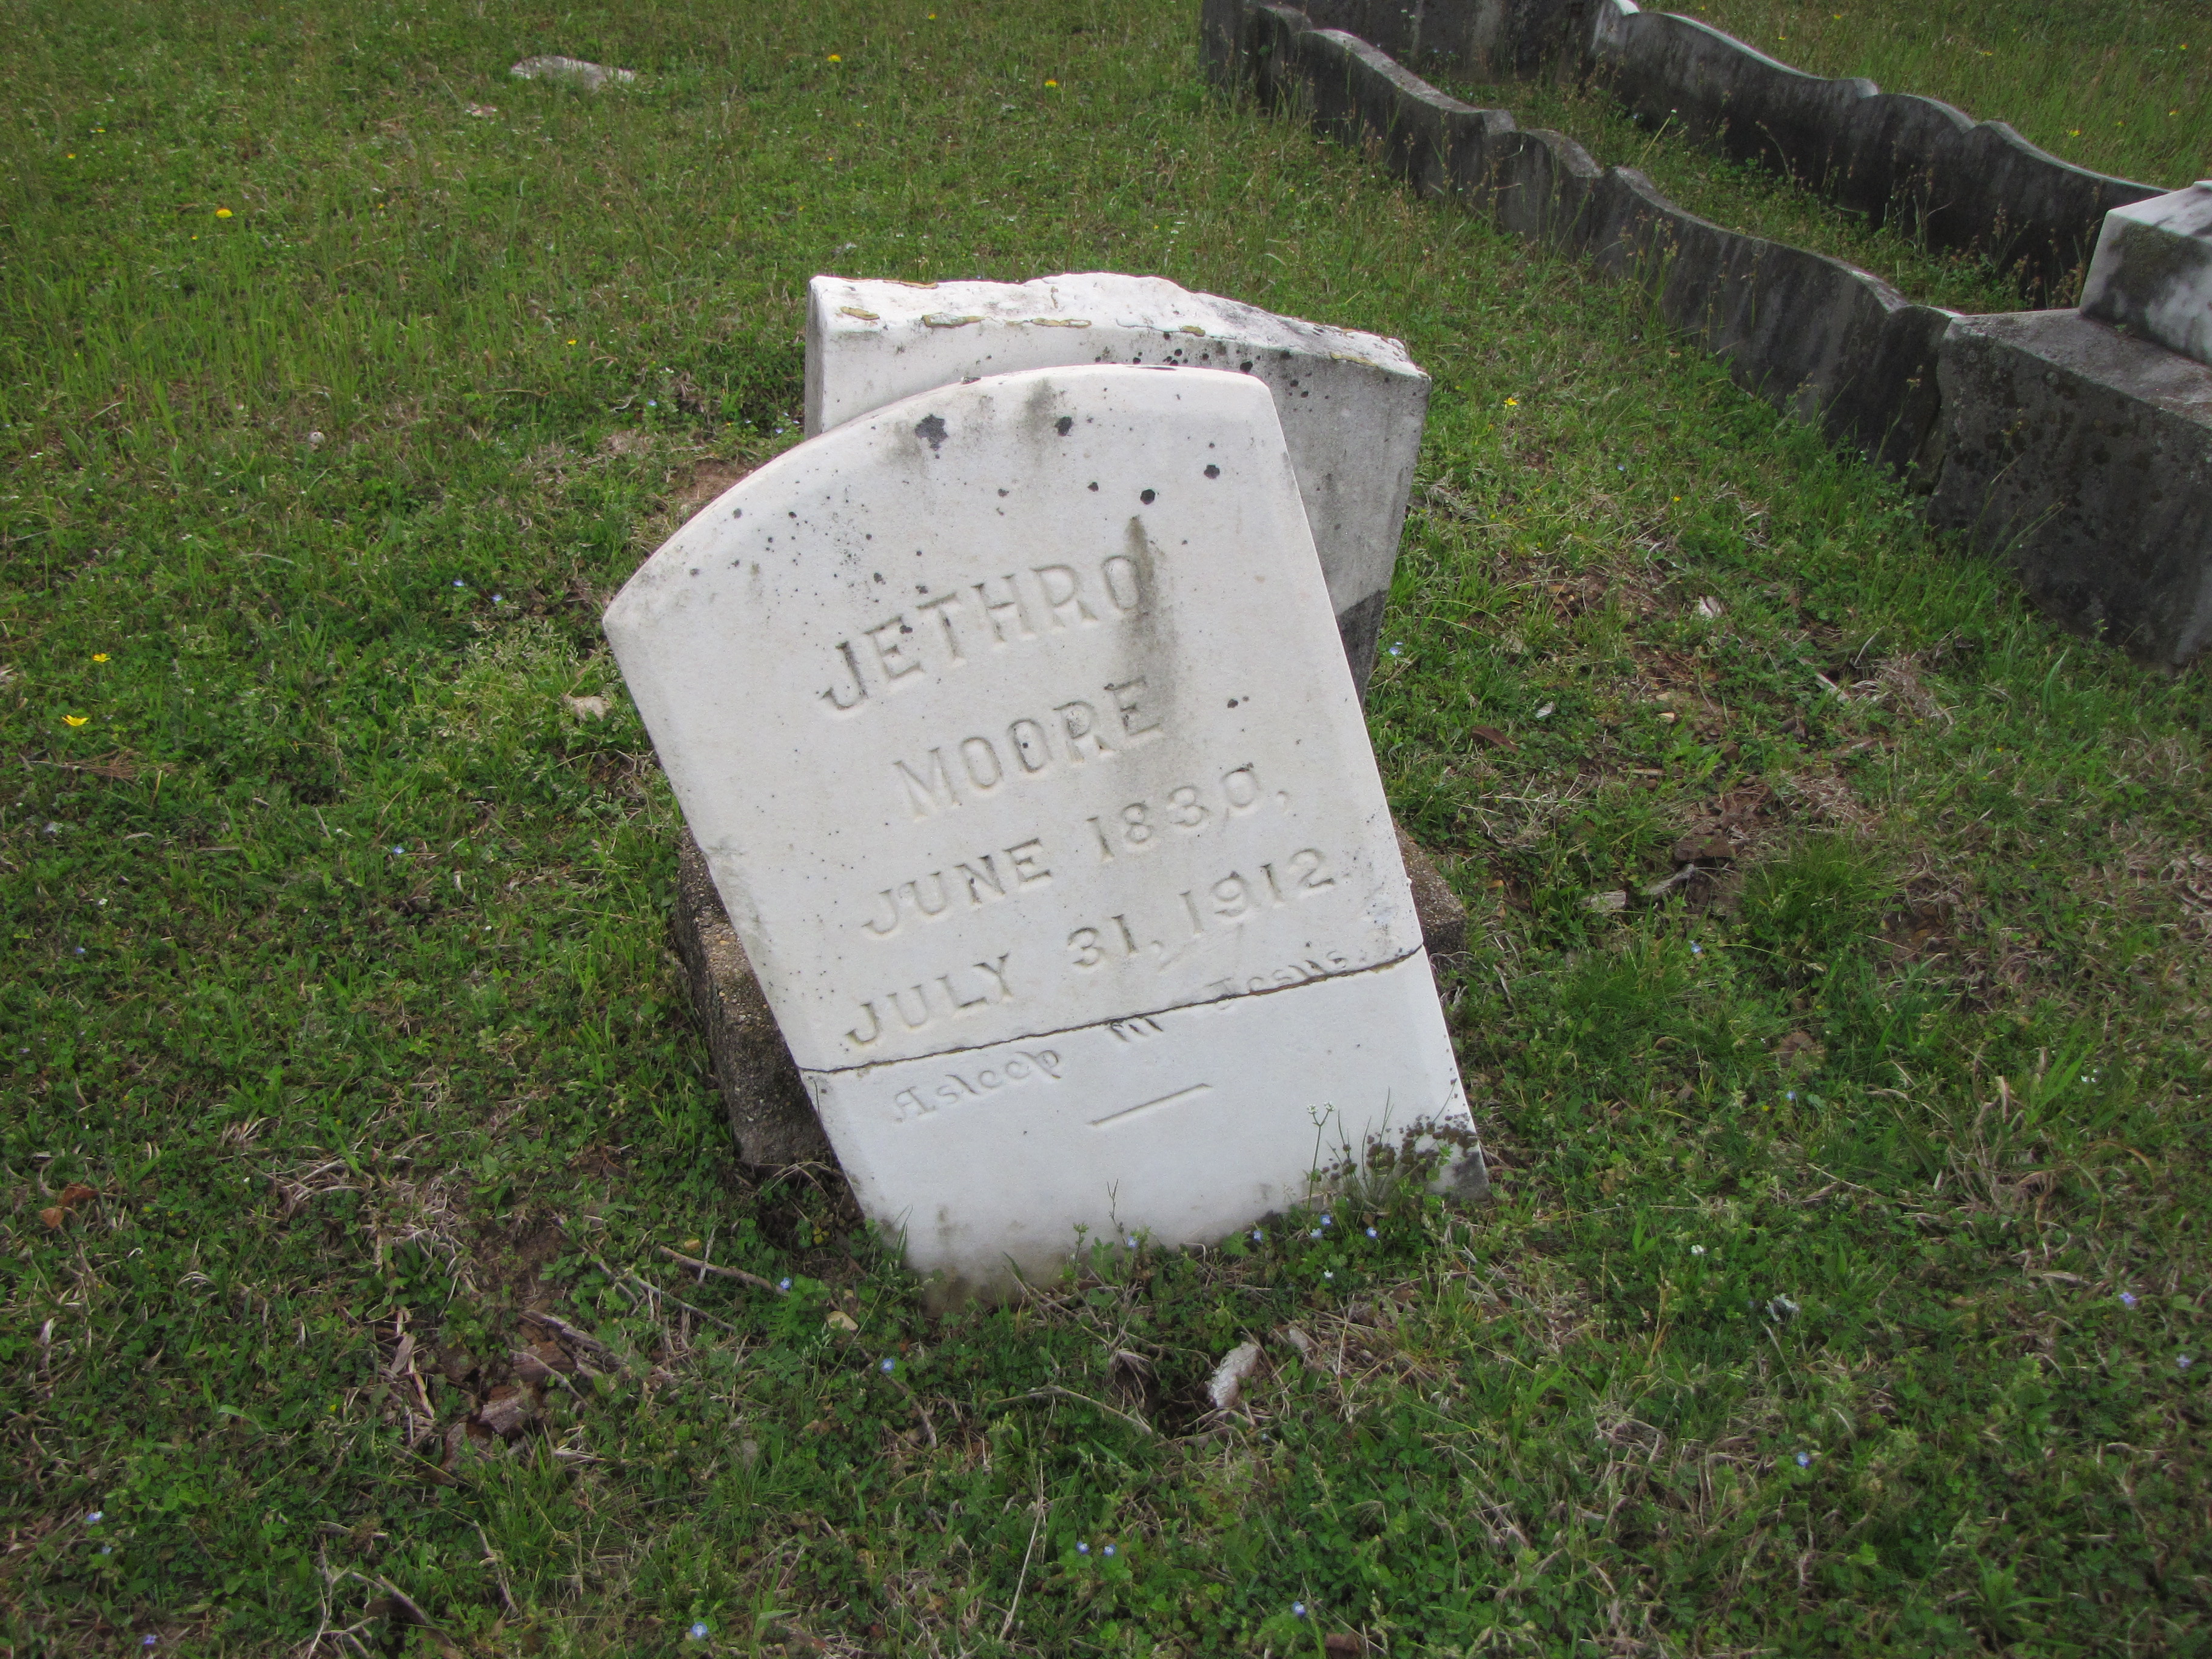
point(1052, 83)
point(1513, 403)
point(75, 719)
point(222, 213)
point(99, 656)
point(834, 59)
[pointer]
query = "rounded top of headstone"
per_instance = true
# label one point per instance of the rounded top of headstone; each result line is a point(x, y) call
point(1058, 637)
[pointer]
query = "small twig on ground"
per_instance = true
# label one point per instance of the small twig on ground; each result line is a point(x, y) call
point(1022, 1580)
point(560, 1327)
point(499, 1572)
point(407, 1604)
point(652, 1289)
point(1052, 1389)
point(738, 1273)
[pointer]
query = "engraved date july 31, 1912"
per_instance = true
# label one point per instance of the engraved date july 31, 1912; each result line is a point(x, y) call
point(1232, 899)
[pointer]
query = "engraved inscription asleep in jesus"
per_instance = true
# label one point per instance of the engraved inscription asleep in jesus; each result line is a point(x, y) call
point(940, 634)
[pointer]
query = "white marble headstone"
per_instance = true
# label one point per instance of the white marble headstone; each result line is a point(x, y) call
point(1351, 405)
point(1011, 722)
point(2152, 271)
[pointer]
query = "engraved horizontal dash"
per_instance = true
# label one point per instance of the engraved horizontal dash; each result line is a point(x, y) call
point(1175, 1099)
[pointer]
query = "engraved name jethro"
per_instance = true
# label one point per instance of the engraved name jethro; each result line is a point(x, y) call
point(943, 633)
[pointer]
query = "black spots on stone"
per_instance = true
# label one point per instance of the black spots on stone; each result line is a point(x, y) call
point(694, 569)
point(1233, 701)
point(1212, 470)
point(1244, 368)
point(930, 428)
point(736, 513)
point(1094, 488)
point(1064, 425)
point(1004, 493)
point(1147, 496)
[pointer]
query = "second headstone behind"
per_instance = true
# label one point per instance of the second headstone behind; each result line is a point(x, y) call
point(1351, 405)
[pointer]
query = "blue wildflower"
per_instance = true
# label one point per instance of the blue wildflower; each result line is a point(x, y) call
point(2127, 1298)
point(1082, 1548)
point(1371, 1233)
point(889, 1365)
point(1804, 1460)
point(699, 1633)
point(1297, 1609)
point(1108, 1550)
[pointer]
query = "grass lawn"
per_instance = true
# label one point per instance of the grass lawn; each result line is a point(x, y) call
point(1845, 1290)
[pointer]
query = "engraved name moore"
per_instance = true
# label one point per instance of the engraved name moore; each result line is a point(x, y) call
point(1011, 712)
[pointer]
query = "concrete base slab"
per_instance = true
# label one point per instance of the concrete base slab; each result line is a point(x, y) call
point(2083, 457)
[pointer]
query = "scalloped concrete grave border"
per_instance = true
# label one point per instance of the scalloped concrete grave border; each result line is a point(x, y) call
point(1962, 183)
point(2079, 456)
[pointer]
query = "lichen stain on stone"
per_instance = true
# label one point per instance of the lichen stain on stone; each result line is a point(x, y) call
point(931, 430)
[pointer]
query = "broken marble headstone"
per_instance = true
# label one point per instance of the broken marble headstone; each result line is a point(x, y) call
point(1010, 722)
point(1351, 405)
